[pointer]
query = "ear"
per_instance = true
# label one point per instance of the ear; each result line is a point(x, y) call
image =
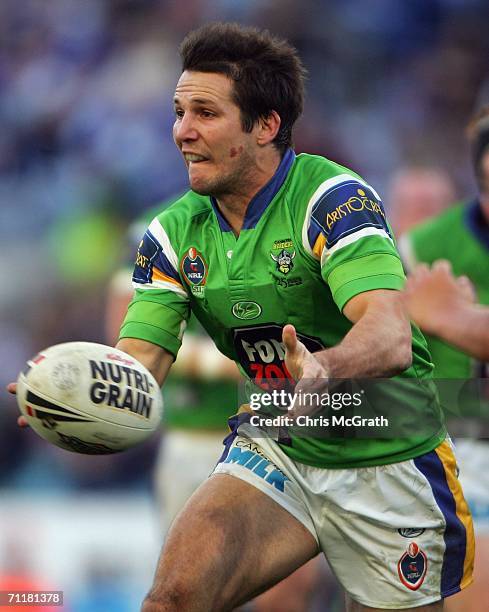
point(268, 128)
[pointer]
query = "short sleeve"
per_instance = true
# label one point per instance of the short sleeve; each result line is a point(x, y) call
point(160, 308)
point(346, 230)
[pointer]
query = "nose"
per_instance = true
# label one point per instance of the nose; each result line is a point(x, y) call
point(184, 129)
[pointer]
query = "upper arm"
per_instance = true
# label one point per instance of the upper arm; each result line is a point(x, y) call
point(346, 230)
point(154, 357)
point(159, 309)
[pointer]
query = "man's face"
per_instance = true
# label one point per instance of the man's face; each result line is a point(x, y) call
point(219, 155)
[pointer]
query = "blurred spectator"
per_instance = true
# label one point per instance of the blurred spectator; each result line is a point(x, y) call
point(415, 194)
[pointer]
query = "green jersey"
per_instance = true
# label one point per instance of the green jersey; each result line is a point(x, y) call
point(190, 403)
point(314, 237)
point(460, 235)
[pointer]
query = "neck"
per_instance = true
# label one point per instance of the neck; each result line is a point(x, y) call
point(233, 205)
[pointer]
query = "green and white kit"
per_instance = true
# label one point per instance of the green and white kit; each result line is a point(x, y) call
point(314, 237)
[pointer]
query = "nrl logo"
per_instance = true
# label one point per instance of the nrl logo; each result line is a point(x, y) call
point(284, 261)
point(412, 567)
point(194, 270)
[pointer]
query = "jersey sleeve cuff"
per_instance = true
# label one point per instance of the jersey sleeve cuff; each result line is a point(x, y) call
point(382, 281)
point(136, 325)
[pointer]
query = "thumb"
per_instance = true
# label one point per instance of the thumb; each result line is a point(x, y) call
point(289, 338)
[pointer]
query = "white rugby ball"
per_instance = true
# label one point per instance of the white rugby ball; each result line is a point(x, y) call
point(89, 398)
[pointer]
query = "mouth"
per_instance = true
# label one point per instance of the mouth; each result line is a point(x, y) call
point(194, 158)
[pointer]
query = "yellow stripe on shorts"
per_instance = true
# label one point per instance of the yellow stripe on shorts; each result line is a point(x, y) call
point(447, 458)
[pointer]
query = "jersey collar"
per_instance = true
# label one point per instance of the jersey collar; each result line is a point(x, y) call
point(476, 222)
point(263, 198)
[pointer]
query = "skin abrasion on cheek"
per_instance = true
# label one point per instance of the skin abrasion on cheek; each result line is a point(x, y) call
point(235, 151)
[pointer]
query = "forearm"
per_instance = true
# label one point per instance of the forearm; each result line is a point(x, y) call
point(155, 358)
point(467, 327)
point(373, 348)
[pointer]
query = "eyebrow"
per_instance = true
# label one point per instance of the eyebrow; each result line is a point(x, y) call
point(196, 101)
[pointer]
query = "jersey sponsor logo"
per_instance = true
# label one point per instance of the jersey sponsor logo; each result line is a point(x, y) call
point(284, 260)
point(194, 270)
point(357, 203)
point(141, 260)
point(259, 465)
point(411, 532)
point(412, 567)
point(348, 208)
point(246, 310)
point(143, 266)
point(261, 353)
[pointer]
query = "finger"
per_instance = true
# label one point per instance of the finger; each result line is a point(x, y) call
point(289, 338)
point(418, 275)
point(22, 421)
point(442, 265)
point(420, 270)
point(467, 287)
point(12, 388)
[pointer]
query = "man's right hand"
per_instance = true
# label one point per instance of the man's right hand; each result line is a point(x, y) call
point(21, 421)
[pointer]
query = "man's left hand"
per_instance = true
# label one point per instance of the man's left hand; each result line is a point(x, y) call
point(311, 376)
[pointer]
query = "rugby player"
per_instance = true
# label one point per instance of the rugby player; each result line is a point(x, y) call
point(457, 327)
point(200, 395)
point(290, 265)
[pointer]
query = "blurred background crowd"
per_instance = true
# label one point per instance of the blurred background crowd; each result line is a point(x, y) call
point(85, 147)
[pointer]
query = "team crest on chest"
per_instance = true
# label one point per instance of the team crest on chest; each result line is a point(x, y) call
point(283, 253)
point(194, 270)
point(412, 567)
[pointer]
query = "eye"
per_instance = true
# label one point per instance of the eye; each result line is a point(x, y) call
point(179, 113)
point(207, 114)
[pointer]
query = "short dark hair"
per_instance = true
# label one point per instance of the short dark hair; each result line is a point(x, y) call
point(267, 72)
point(478, 135)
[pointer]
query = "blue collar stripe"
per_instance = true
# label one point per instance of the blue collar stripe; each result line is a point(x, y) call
point(476, 222)
point(263, 198)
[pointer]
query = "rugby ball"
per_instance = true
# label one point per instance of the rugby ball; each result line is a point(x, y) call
point(89, 398)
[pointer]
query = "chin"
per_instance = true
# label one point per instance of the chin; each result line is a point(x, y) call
point(200, 187)
point(204, 186)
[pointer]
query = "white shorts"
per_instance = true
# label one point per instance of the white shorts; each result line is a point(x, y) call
point(396, 536)
point(186, 458)
point(473, 461)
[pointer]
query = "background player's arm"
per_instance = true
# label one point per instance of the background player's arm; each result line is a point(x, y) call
point(444, 306)
point(154, 357)
point(378, 344)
